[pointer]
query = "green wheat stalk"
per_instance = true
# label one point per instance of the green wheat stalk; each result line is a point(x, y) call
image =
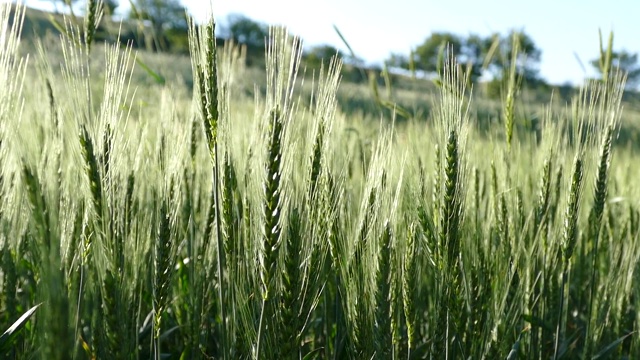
point(94, 14)
point(272, 208)
point(595, 217)
point(291, 288)
point(569, 239)
point(383, 330)
point(205, 67)
point(92, 171)
point(509, 101)
point(163, 270)
point(409, 281)
point(451, 205)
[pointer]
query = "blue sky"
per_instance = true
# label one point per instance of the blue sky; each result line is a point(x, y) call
point(375, 28)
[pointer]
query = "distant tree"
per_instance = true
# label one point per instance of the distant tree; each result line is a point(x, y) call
point(472, 54)
point(527, 59)
point(433, 52)
point(67, 3)
point(167, 20)
point(162, 14)
point(398, 61)
point(625, 62)
point(246, 31)
point(429, 56)
point(475, 53)
point(319, 54)
point(110, 6)
point(501, 55)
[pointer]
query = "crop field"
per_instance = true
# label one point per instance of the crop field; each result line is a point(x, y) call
point(246, 218)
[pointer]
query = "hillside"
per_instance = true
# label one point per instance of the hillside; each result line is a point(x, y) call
point(357, 95)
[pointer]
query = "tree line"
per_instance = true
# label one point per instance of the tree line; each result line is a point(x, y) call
point(491, 57)
point(487, 57)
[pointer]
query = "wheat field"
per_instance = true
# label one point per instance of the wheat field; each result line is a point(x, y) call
point(158, 222)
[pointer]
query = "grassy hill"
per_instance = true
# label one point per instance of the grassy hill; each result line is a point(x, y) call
point(414, 97)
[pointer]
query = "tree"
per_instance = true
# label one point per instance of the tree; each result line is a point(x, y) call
point(246, 31)
point(162, 14)
point(518, 46)
point(433, 52)
point(527, 57)
point(475, 53)
point(429, 56)
point(110, 6)
point(67, 3)
point(399, 61)
point(168, 24)
point(625, 62)
point(321, 54)
point(472, 54)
